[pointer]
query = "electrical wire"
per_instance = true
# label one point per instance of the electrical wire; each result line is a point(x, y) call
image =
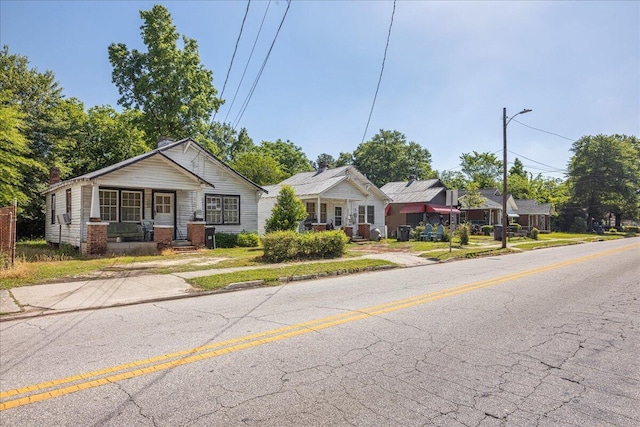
point(384, 58)
point(247, 64)
point(255, 83)
point(246, 12)
point(544, 131)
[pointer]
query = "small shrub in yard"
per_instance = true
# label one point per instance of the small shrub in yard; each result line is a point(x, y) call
point(416, 232)
point(613, 230)
point(248, 240)
point(289, 245)
point(463, 233)
point(486, 229)
point(534, 233)
point(226, 240)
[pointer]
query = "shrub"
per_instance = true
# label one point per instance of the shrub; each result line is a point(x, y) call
point(463, 233)
point(534, 233)
point(288, 245)
point(226, 240)
point(248, 240)
point(446, 234)
point(487, 229)
point(416, 232)
point(287, 212)
point(613, 230)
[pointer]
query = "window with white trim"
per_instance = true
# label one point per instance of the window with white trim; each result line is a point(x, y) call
point(323, 213)
point(131, 206)
point(337, 216)
point(221, 209)
point(53, 208)
point(109, 205)
point(311, 211)
point(68, 201)
point(366, 214)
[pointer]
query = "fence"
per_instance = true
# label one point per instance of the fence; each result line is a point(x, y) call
point(7, 235)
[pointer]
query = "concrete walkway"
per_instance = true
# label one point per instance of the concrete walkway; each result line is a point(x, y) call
point(36, 300)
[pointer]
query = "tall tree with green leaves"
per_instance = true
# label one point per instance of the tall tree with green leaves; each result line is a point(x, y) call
point(168, 83)
point(287, 212)
point(389, 157)
point(326, 159)
point(482, 168)
point(454, 179)
point(107, 137)
point(259, 168)
point(604, 176)
point(50, 125)
point(518, 183)
point(344, 159)
point(291, 157)
point(226, 142)
point(15, 158)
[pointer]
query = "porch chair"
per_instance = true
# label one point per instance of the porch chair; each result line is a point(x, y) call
point(427, 233)
point(147, 229)
point(439, 232)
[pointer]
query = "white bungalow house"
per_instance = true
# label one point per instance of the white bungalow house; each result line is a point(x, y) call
point(167, 194)
point(342, 197)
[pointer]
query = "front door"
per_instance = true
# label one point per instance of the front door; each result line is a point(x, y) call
point(164, 209)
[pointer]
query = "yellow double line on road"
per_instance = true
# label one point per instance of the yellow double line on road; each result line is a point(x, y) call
point(60, 387)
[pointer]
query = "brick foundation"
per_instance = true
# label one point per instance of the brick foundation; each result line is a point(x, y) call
point(348, 230)
point(97, 238)
point(319, 227)
point(364, 231)
point(163, 234)
point(195, 233)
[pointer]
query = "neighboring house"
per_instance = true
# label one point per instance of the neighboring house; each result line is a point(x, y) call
point(532, 214)
point(415, 202)
point(342, 196)
point(164, 190)
point(490, 212)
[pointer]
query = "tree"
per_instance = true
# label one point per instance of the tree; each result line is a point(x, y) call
point(50, 125)
point(344, 159)
point(261, 169)
point(14, 154)
point(388, 157)
point(604, 175)
point(483, 168)
point(108, 137)
point(167, 83)
point(291, 158)
point(227, 143)
point(454, 179)
point(287, 212)
point(326, 159)
point(473, 198)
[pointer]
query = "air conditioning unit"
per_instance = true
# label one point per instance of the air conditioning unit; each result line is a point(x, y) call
point(64, 218)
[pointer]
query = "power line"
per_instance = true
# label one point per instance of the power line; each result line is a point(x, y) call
point(545, 131)
point(248, 61)
point(255, 83)
point(384, 58)
point(246, 12)
point(552, 168)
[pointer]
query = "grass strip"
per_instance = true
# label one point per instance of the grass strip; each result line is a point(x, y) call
point(273, 275)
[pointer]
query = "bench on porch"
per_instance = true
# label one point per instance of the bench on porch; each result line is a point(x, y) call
point(125, 230)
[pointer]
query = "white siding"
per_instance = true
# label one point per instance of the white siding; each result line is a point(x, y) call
point(63, 233)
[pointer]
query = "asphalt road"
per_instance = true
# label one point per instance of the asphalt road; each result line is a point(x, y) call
point(548, 338)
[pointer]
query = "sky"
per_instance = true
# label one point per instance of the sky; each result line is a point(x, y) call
point(450, 69)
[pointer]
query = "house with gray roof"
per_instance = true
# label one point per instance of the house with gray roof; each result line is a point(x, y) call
point(416, 201)
point(169, 194)
point(341, 197)
point(532, 214)
point(489, 212)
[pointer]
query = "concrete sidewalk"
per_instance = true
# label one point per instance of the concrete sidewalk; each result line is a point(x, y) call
point(36, 300)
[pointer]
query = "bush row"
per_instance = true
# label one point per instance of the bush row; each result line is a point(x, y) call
point(244, 239)
point(289, 245)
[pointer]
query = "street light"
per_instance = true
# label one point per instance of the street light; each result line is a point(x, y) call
point(505, 219)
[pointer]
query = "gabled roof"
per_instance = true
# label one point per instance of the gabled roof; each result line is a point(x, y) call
point(532, 207)
point(158, 152)
point(413, 191)
point(315, 183)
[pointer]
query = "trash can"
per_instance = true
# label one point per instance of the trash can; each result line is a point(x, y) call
point(210, 237)
point(403, 233)
point(375, 235)
point(497, 232)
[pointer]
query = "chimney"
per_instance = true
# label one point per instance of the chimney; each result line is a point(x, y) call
point(411, 179)
point(164, 140)
point(323, 166)
point(54, 175)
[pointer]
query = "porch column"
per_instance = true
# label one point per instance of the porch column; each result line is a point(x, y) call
point(199, 203)
point(94, 213)
point(318, 211)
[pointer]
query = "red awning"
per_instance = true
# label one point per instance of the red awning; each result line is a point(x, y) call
point(443, 210)
point(412, 208)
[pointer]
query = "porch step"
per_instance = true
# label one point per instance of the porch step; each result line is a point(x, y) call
point(183, 246)
point(358, 239)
